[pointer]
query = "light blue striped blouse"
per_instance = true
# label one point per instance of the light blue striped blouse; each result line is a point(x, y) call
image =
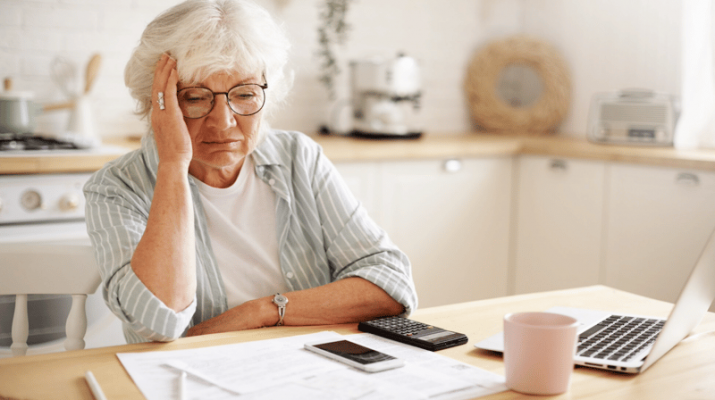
point(324, 234)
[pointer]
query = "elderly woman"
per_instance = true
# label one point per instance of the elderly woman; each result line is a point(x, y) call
point(219, 223)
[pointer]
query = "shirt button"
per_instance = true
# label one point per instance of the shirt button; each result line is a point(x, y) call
point(272, 182)
point(289, 275)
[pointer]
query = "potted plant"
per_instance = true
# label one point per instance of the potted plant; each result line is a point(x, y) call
point(332, 32)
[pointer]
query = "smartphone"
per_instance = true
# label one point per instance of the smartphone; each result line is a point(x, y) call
point(355, 355)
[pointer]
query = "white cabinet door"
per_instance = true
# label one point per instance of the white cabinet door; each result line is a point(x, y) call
point(658, 222)
point(452, 219)
point(559, 222)
point(362, 180)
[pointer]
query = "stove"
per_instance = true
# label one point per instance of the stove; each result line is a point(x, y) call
point(48, 208)
point(40, 199)
point(40, 210)
point(14, 142)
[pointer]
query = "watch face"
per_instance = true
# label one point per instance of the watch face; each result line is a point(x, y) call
point(280, 300)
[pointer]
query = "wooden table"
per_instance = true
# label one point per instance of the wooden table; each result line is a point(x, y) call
point(687, 372)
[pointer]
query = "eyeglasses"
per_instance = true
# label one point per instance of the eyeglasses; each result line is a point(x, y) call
point(243, 99)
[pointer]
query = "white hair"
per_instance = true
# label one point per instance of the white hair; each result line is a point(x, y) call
point(210, 36)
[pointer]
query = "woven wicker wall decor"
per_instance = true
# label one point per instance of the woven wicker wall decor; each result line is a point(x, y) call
point(492, 113)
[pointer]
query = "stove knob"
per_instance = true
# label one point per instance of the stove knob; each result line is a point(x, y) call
point(69, 202)
point(31, 200)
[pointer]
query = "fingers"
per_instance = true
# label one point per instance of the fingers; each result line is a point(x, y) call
point(171, 88)
point(173, 140)
point(162, 73)
point(158, 83)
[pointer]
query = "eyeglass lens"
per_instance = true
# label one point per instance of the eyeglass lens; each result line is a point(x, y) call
point(246, 99)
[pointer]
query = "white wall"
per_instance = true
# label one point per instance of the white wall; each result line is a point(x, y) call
point(609, 44)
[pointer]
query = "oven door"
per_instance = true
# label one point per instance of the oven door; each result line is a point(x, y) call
point(48, 313)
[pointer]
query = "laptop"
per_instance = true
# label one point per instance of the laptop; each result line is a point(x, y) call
point(632, 343)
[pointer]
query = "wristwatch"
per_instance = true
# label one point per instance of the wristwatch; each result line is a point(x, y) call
point(281, 302)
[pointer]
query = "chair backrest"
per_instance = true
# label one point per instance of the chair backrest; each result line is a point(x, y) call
point(48, 269)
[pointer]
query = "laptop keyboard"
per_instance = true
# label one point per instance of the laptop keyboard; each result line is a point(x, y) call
point(618, 338)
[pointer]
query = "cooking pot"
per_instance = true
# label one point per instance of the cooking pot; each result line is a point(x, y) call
point(18, 112)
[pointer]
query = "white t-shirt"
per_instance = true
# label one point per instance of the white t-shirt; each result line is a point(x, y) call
point(242, 225)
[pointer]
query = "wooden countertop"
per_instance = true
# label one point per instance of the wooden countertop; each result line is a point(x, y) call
point(66, 161)
point(429, 146)
point(484, 145)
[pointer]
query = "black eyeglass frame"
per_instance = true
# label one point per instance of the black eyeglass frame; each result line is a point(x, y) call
point(263, 86)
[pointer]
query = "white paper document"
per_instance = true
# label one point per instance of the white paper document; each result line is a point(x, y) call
point(283, 369)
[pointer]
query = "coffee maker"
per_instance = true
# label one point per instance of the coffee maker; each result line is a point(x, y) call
point(385, 97)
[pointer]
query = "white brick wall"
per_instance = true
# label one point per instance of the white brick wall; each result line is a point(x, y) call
point(443, 35)
point(33, 33)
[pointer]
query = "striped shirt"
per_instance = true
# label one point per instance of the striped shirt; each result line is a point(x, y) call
point(324, 235)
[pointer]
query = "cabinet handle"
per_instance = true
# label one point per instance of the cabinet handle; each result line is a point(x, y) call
point(688, 179)
point(452, 166)
point(558, 165)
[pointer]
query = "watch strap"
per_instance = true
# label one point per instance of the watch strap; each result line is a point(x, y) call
point(280, 301)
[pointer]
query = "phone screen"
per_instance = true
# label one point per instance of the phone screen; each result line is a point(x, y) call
point(355, 352)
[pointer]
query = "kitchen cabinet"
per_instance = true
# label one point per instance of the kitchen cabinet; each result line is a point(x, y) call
point(451, 217)
point(657, 224)
point(362, 180)
point(559, 213)
point(483, 227)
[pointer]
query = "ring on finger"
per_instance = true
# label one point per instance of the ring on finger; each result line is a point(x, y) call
point(161, 101)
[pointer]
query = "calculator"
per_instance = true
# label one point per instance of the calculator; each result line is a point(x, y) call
point(414, 333)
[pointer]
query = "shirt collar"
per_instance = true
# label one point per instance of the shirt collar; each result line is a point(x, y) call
point(269, 153)
point(272, 162)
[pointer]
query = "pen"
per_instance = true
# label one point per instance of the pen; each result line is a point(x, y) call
point(94, 386)
point(182, 386)
point(183, 367)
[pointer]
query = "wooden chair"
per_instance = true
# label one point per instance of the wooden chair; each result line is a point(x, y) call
point(48, 269)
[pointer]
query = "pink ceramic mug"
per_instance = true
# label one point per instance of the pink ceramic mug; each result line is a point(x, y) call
point(539, 348)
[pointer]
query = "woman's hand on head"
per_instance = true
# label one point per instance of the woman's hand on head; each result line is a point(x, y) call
point(172, 136)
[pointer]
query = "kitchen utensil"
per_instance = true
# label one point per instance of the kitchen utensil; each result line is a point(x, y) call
point(91, 72)
point(81, 123)
point(64, 73)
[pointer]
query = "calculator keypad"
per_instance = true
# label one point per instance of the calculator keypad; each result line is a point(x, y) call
point(414, 333)
point(399, 325)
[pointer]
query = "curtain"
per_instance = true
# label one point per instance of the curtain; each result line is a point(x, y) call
point(696, 126)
